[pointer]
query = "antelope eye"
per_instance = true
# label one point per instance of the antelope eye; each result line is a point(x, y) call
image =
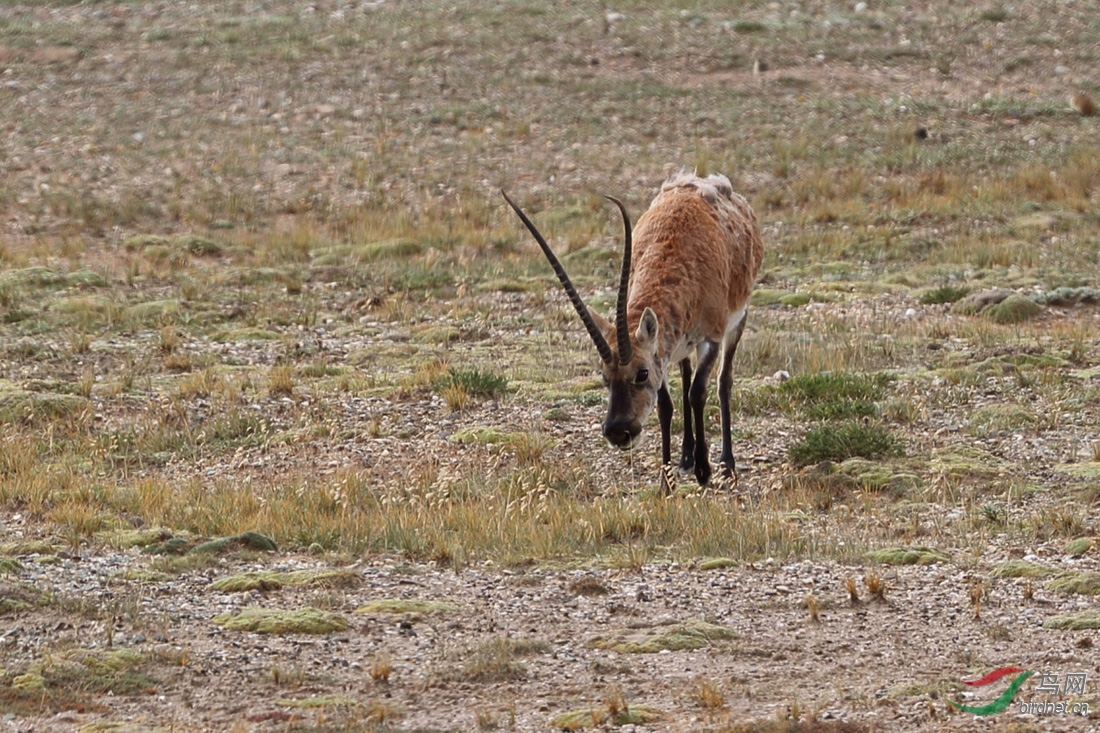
point(642, 376)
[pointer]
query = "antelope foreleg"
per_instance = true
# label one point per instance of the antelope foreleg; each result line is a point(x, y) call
point(707, 356)
point(725, 383)
point(687, 448)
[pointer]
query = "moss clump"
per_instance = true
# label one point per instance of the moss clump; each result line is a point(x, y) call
point(718, 563)
point(839, 442)
point(556, 414)
point(144, 576)
point(992, 418)
point(1020, 569)
point(969, 462)
point(245, 334)
point(1089, 470)
point(29, 681)
point(268, 580)
point(29, 547)
point(1077, 621)
point(32, 277)
point(200, 246)
point(124, 538)
point(1013, 309)
point(436, 335)
point(18, 406)
point(673, 637)
point(245, 540)
point(16, 597)
point(141, 241)
point(9, 565)
point(761, 298)
point(389, 249)
point(170, 546)
point(872, 476)
point(795, 300)
point(1079, 546)
point(908, 556)
point(396, 605)
point(273, 621)
point(1085, 584)
point(485, 436)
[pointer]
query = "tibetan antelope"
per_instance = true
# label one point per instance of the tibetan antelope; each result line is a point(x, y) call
point(687, 276)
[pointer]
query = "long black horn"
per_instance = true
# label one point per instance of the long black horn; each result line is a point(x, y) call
point(622, 332)
point(578, 304)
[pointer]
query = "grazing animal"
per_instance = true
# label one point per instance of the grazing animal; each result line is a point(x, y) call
point(687, 275)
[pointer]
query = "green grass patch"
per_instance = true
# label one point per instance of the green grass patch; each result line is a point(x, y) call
point(187, 543)
point(833, 395)
point(274, 621)
point(1021, 569)
point(964, 461)
point(28, 547)
point(875, 476)
point(718, 563)
point(391, 249)
point(124, 538)
point(943, 294)
point(1077, 621)
point(271, 580)
point(1079, 546)
point(908, 556)
point(73, 679)
point(795, 300)
point(474, 382)
point(1013, 309)
point(840, 441)
point(1084, 584)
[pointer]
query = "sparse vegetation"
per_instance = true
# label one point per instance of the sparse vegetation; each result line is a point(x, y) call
point(675, 637)
point(263, 317)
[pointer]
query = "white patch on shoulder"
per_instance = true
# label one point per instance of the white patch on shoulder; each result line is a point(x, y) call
point(712, 187)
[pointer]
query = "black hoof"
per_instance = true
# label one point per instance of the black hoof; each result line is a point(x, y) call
point(702, 473)
point(687, 463)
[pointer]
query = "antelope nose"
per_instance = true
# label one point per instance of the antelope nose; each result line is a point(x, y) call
point(621, 433)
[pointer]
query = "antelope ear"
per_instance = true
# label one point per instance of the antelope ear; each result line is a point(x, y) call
point(606, 327)
point(647, 328)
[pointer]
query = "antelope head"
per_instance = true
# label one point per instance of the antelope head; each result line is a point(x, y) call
point(631, 369)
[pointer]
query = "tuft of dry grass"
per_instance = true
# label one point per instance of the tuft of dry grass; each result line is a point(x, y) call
point(876, 586)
